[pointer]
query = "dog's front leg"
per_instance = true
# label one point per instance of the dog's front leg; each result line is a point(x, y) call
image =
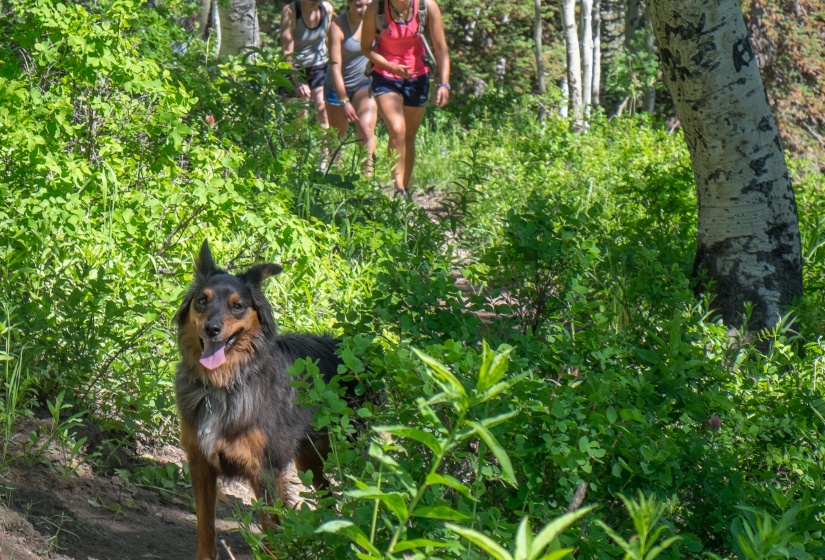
point(204, 485)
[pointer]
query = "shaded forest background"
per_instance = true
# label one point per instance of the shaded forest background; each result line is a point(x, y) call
point(492, 46)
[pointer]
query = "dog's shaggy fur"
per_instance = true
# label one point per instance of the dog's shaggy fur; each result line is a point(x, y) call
point(234, 395)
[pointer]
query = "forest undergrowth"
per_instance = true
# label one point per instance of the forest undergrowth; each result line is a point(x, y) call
point(603, 410)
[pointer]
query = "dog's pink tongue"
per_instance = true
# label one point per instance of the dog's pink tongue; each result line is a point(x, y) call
point(213, 354)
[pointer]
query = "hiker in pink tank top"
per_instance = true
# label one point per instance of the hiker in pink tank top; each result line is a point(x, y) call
point(400, 77)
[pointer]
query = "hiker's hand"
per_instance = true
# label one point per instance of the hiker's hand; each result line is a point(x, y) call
point(303, 91)
point(350, 112)
point(442, 96)
point(401, 70)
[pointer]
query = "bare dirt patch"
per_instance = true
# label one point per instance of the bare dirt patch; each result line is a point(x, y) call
point(47, 512)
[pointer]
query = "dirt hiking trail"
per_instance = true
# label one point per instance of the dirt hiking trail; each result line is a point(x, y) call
point(51, 510)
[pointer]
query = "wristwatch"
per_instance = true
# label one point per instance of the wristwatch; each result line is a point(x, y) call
point(344, 101)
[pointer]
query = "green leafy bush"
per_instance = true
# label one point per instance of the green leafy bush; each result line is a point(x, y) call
point(124, 146)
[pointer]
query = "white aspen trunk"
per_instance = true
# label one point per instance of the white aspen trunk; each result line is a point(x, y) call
point(597, 52)
point(574, 65)
point(209, 26)
point(649, 103)
point(216, 26)
point(239, 26)
point(748, 240)
point(587, 54)
point(564, 110)
point(203, 17)
point(537, 31)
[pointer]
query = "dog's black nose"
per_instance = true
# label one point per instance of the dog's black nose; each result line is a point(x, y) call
point(213, 328)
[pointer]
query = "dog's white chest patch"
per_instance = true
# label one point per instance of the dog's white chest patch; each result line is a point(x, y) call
point(211, 416)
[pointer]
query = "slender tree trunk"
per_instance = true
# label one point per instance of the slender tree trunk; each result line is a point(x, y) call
point(537, 31)
point(748, 241)
point(574, 68)
point(239, 26)
point(587, 54)
point(649, 99)
point(564, 110)
point(632, 22)
point(209, 26)
point(597, 51)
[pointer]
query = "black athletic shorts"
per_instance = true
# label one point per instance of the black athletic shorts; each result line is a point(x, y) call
point(314, 75)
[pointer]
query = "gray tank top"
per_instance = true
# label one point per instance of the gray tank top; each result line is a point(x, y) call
point(310, 44)
point(353, 61)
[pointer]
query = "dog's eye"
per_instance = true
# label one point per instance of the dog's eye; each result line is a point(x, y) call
point(201, 300)
point(238, 306)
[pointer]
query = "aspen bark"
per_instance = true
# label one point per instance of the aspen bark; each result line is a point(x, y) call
point(239, 26)
point(748, 240)
point(597, 52)
point(587, 53)
point(537, 39)
point(574, 68)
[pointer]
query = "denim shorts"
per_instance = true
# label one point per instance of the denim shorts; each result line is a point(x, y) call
point(414, 91)
point(331, 97)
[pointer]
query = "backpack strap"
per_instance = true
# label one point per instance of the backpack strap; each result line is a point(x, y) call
point(381, 16)
point(381, 20)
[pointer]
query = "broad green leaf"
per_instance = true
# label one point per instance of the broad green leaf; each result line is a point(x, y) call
point(415, 434)
point(503, 459)
point(351, 531)
point(481, 540)
point(393, 500)
point(419, 543)
point(553, 529)
point(496, 420)
point(658, 549)
point(557, 554)
point(611, 415)
point(613, 534)
point(493, 366)
point(524, 536)
point(440, 512)
point(451, 482)
point(443, 375)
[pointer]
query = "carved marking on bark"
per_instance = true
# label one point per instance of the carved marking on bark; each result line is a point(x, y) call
point(759, 165)
point(765, 125)
point(742, 53)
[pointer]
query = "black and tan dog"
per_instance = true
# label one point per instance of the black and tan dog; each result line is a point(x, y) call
point(234, 395)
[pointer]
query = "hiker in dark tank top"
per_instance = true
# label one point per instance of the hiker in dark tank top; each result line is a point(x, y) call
point(347, 88)
point(304, 25)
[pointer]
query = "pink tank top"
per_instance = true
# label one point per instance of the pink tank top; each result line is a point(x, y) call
point(399, 43)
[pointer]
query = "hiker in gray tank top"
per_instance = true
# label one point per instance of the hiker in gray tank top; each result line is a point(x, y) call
point(346, 87)
point(304, 25)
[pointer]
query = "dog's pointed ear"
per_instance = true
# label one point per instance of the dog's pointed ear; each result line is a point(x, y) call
point(260, 272)
point(253, 278)
point(205, 265)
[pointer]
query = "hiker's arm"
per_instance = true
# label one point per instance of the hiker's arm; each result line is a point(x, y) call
point(288, 46)
point(330, 22)
point(368, 36)
point(336, 40)
point(287, 27)
point(442, 55)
